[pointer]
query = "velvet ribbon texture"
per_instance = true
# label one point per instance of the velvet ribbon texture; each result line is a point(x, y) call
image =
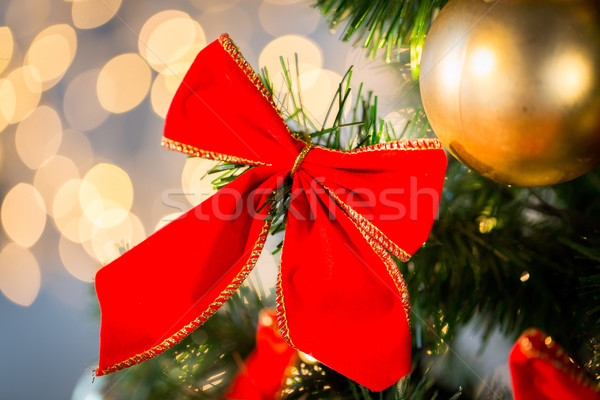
point(340, 296)
point(542, 370)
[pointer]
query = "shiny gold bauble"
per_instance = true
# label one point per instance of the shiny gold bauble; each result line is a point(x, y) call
point(512, 87)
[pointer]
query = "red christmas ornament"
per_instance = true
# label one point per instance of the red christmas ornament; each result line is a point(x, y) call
point(340, 298)
point(263, 373)
point(542, 370)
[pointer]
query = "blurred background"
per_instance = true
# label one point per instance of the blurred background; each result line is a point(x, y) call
point(84, 88)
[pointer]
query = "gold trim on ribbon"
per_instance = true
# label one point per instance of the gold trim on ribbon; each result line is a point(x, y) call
point(209, 312)
point(280, 308)
point(381, 245)
point(392, 270)
point(554, 354)
point(364, 225)
point(413, 144)
point(235, 53)
point(211, 155)
point(300, 158)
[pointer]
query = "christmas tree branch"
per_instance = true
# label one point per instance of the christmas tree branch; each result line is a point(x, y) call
point(383, 24)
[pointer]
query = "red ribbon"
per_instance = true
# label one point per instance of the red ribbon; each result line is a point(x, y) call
point(264, 371)
point(542, 370)
point(340, 297)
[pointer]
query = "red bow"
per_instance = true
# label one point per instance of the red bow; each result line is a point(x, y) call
point(340, 296)
point(262, 374)
point(542, 370)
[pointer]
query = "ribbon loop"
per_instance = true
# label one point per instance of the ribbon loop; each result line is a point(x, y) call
point(339, 292)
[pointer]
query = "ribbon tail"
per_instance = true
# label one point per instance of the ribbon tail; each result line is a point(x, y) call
point(160, 291)
point(542, 370)
point(341, 298)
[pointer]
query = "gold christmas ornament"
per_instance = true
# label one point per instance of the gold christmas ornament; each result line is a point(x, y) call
point(512, 87)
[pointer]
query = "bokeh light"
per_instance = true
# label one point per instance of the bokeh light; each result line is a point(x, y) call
point(163, 90)
point(310, 57)
point(38, 136)
point(8, 102)
point(20, 275)
point(23, 214)
point(88, 14)
point(1, 157)
point(167, 219)
point(106, 194)
point(68, 214)
point(195, 182)
point(123, 83)
point(170, 40)
point(76, 146)
point(81, 106)
point(283, 19)
point(76, 260)
point(51, 176)
point(108, 243)
point(51, 53)
point(7, 46)
point(27, 91)
point(318, 88)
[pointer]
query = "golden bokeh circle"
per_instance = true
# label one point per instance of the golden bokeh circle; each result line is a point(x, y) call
point(51, 53)
point(68, 215)
point(26, 87)
point(105, 187)
point(76, 146)
point(23, 214)
point(7, 46)
point(170, 40)
point(38, 136)
point(310, 57)
point(123, 83)
point(76, 260)
point(8, 102)
point(51, 176)
point(167, 219)
point(20, 275)
point(108, 243)
point(162, 92)
point(195, 182)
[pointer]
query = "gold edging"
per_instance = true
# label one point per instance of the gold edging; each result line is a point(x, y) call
point(405, 145)
point(209, 312)
point(364, 225)
point(235, 53)
point(382, 246)
point(211, 155)
point(554, 354)
point(393, 271)
point(280, 307)
point(300, 158)
point(230, 47)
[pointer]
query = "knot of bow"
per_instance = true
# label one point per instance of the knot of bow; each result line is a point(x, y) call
point(340, 296)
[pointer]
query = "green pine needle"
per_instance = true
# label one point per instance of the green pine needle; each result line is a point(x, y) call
point(383, 24)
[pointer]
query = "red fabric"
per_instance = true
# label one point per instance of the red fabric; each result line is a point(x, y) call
point(541, 370)
point(341, 298)
point(264, 371)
